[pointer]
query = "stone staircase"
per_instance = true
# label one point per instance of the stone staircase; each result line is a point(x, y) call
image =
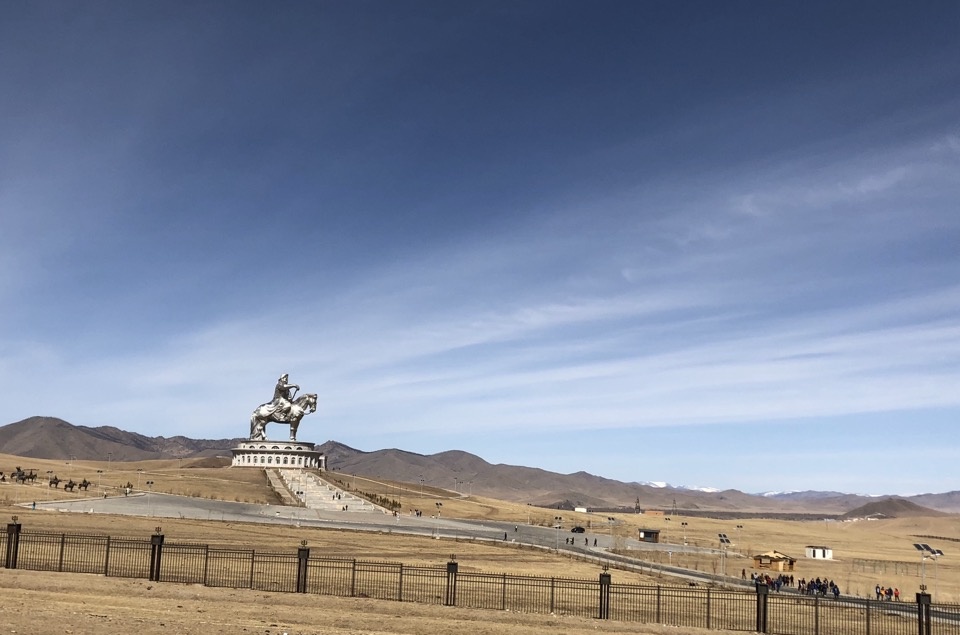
point(320, 495)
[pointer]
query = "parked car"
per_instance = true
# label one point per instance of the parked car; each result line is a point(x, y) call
point(578, 530)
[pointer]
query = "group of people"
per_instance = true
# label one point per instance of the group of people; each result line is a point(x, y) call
point(818, 587)
point(586, 541)
point(887, 593)
point(804, 587)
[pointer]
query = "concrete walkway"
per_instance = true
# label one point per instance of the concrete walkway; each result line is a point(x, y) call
point(316, 493)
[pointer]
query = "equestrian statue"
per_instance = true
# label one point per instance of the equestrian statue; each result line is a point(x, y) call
point(284, 408)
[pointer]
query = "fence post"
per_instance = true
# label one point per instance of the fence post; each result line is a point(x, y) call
point(816, 615)
point(763, 592)
point(553, 591)
point(63, 543)
point(503, 593)
point(156, 554)
point(659, 601)
point(866, 613)
point(400, 585)
point(106, 557)
point(451, 596)
point(13, 543)
point(303, 555)
point(708, 608)
point(353, 578)
point(923, 613)
point(604, 596)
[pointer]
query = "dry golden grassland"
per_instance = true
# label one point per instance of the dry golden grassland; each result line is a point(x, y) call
point(41, 603)
point(866, 553)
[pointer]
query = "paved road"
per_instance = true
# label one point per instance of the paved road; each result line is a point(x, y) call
point(169, 506)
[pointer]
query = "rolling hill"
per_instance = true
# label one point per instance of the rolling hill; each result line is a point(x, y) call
point(52, 438)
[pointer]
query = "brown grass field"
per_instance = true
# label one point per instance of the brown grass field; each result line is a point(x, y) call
point(866, 553)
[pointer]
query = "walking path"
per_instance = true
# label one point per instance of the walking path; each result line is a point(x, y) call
point(313, 492)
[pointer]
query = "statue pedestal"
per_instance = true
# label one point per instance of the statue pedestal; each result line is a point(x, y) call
point(278, 454)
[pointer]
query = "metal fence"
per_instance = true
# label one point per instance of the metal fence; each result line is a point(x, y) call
point(300, 572)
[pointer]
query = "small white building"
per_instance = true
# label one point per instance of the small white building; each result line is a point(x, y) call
point(819, 552)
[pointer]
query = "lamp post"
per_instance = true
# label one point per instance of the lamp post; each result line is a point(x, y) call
point(557, 520)
point(936, 570)
point(139, 474)
point(926, 551)
point(923, 548)
point(150, 485)
point(421, 486)
point(724, 542)
point(684, 525)
point(739, 548)
point(99, 480)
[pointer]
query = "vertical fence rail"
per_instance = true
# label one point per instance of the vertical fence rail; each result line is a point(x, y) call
point(3, 547)
point(329, 576)
point(275, 572)
point(229, 568)
point(84, 554)
point(376, 580)
point(37, 551)
point(183, 562)
point(127, 558)
point(425, 585)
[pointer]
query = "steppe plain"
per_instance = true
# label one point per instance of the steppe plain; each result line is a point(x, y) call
point(866, 553)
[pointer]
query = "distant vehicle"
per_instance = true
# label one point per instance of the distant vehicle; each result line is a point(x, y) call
point(578, 530)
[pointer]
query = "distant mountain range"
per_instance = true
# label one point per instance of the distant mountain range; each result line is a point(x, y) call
point(52, 438)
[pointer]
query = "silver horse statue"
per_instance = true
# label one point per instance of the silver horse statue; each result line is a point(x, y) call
point(283, 409)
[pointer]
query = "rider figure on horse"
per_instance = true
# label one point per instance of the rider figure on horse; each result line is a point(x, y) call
point(283, 396)
point(284, 408)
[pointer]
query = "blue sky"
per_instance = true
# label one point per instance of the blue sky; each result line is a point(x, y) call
point(712, 244)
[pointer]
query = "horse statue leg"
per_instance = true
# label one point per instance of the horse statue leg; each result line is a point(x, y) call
point(258, 428)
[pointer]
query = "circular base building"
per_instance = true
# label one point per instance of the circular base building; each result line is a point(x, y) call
point(278, 454)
